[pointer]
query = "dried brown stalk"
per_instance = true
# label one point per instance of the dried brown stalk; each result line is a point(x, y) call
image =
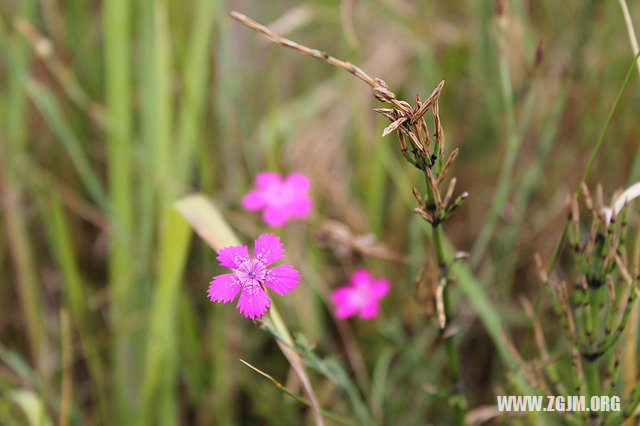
point(379, 86)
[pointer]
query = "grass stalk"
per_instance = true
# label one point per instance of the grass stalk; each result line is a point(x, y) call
point(117, 32)
point(13, 145)
point(195, 76)
point(164, 152)
point(76, 296)
point(159, 401)
point(67, 379)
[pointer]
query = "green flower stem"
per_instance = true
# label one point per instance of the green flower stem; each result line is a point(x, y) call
point(279, 325)
point(457, 398)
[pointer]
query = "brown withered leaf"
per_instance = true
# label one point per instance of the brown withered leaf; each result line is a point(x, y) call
point(393, 126)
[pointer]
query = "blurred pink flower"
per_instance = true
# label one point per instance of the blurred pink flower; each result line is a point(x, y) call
point(360, 296)
point(251, 274)
point(279, 200)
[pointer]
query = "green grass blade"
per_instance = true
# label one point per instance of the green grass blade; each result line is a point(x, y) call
point(13, 145)
point(195, 76)
point(75, 294)
point(159, 401)
point(48, 106)
point(117, 65)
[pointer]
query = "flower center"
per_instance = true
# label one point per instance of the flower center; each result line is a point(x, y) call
point(251, 270)
point(279, 194)
point(361, 296)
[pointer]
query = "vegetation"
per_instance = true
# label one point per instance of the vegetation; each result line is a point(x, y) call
point(126, 126)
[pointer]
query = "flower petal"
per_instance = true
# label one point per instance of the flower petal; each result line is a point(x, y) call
point(300, 206)
point(276, 216)
point(299, 182)
point(379, 288)
point(254, 301)
point(370, 310)
point(281, 279)
point(267, 179)
point(268, 249)
point(224, 288)
point(253, 200)
point(233, 256)
point(361, 278)
point(342, 298)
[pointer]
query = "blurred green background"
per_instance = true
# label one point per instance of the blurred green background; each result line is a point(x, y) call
point(110, 111)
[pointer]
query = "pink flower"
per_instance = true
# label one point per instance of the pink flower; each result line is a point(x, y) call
point(279, 200)
point(360, 296)
point(251, 275)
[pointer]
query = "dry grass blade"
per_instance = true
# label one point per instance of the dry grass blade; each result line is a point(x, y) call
point(587, 196)
point(393, 126)
point(207, 221)
point(449, 194)
point(612, 290)
point(450, 160)
point(414, 140)
point(442, 317)
point(630, 30)
point(526, 369)
point(623, 270)
point(537, 329)
point(257, 370)
point(417, 196)
point(599, 197)
point(417, 115)
point(436, 193)
point(439, 132)
point(542, 273)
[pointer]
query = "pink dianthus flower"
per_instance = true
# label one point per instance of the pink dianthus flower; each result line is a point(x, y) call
point(360, 296)
point(279, 199)
point(251, 274)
